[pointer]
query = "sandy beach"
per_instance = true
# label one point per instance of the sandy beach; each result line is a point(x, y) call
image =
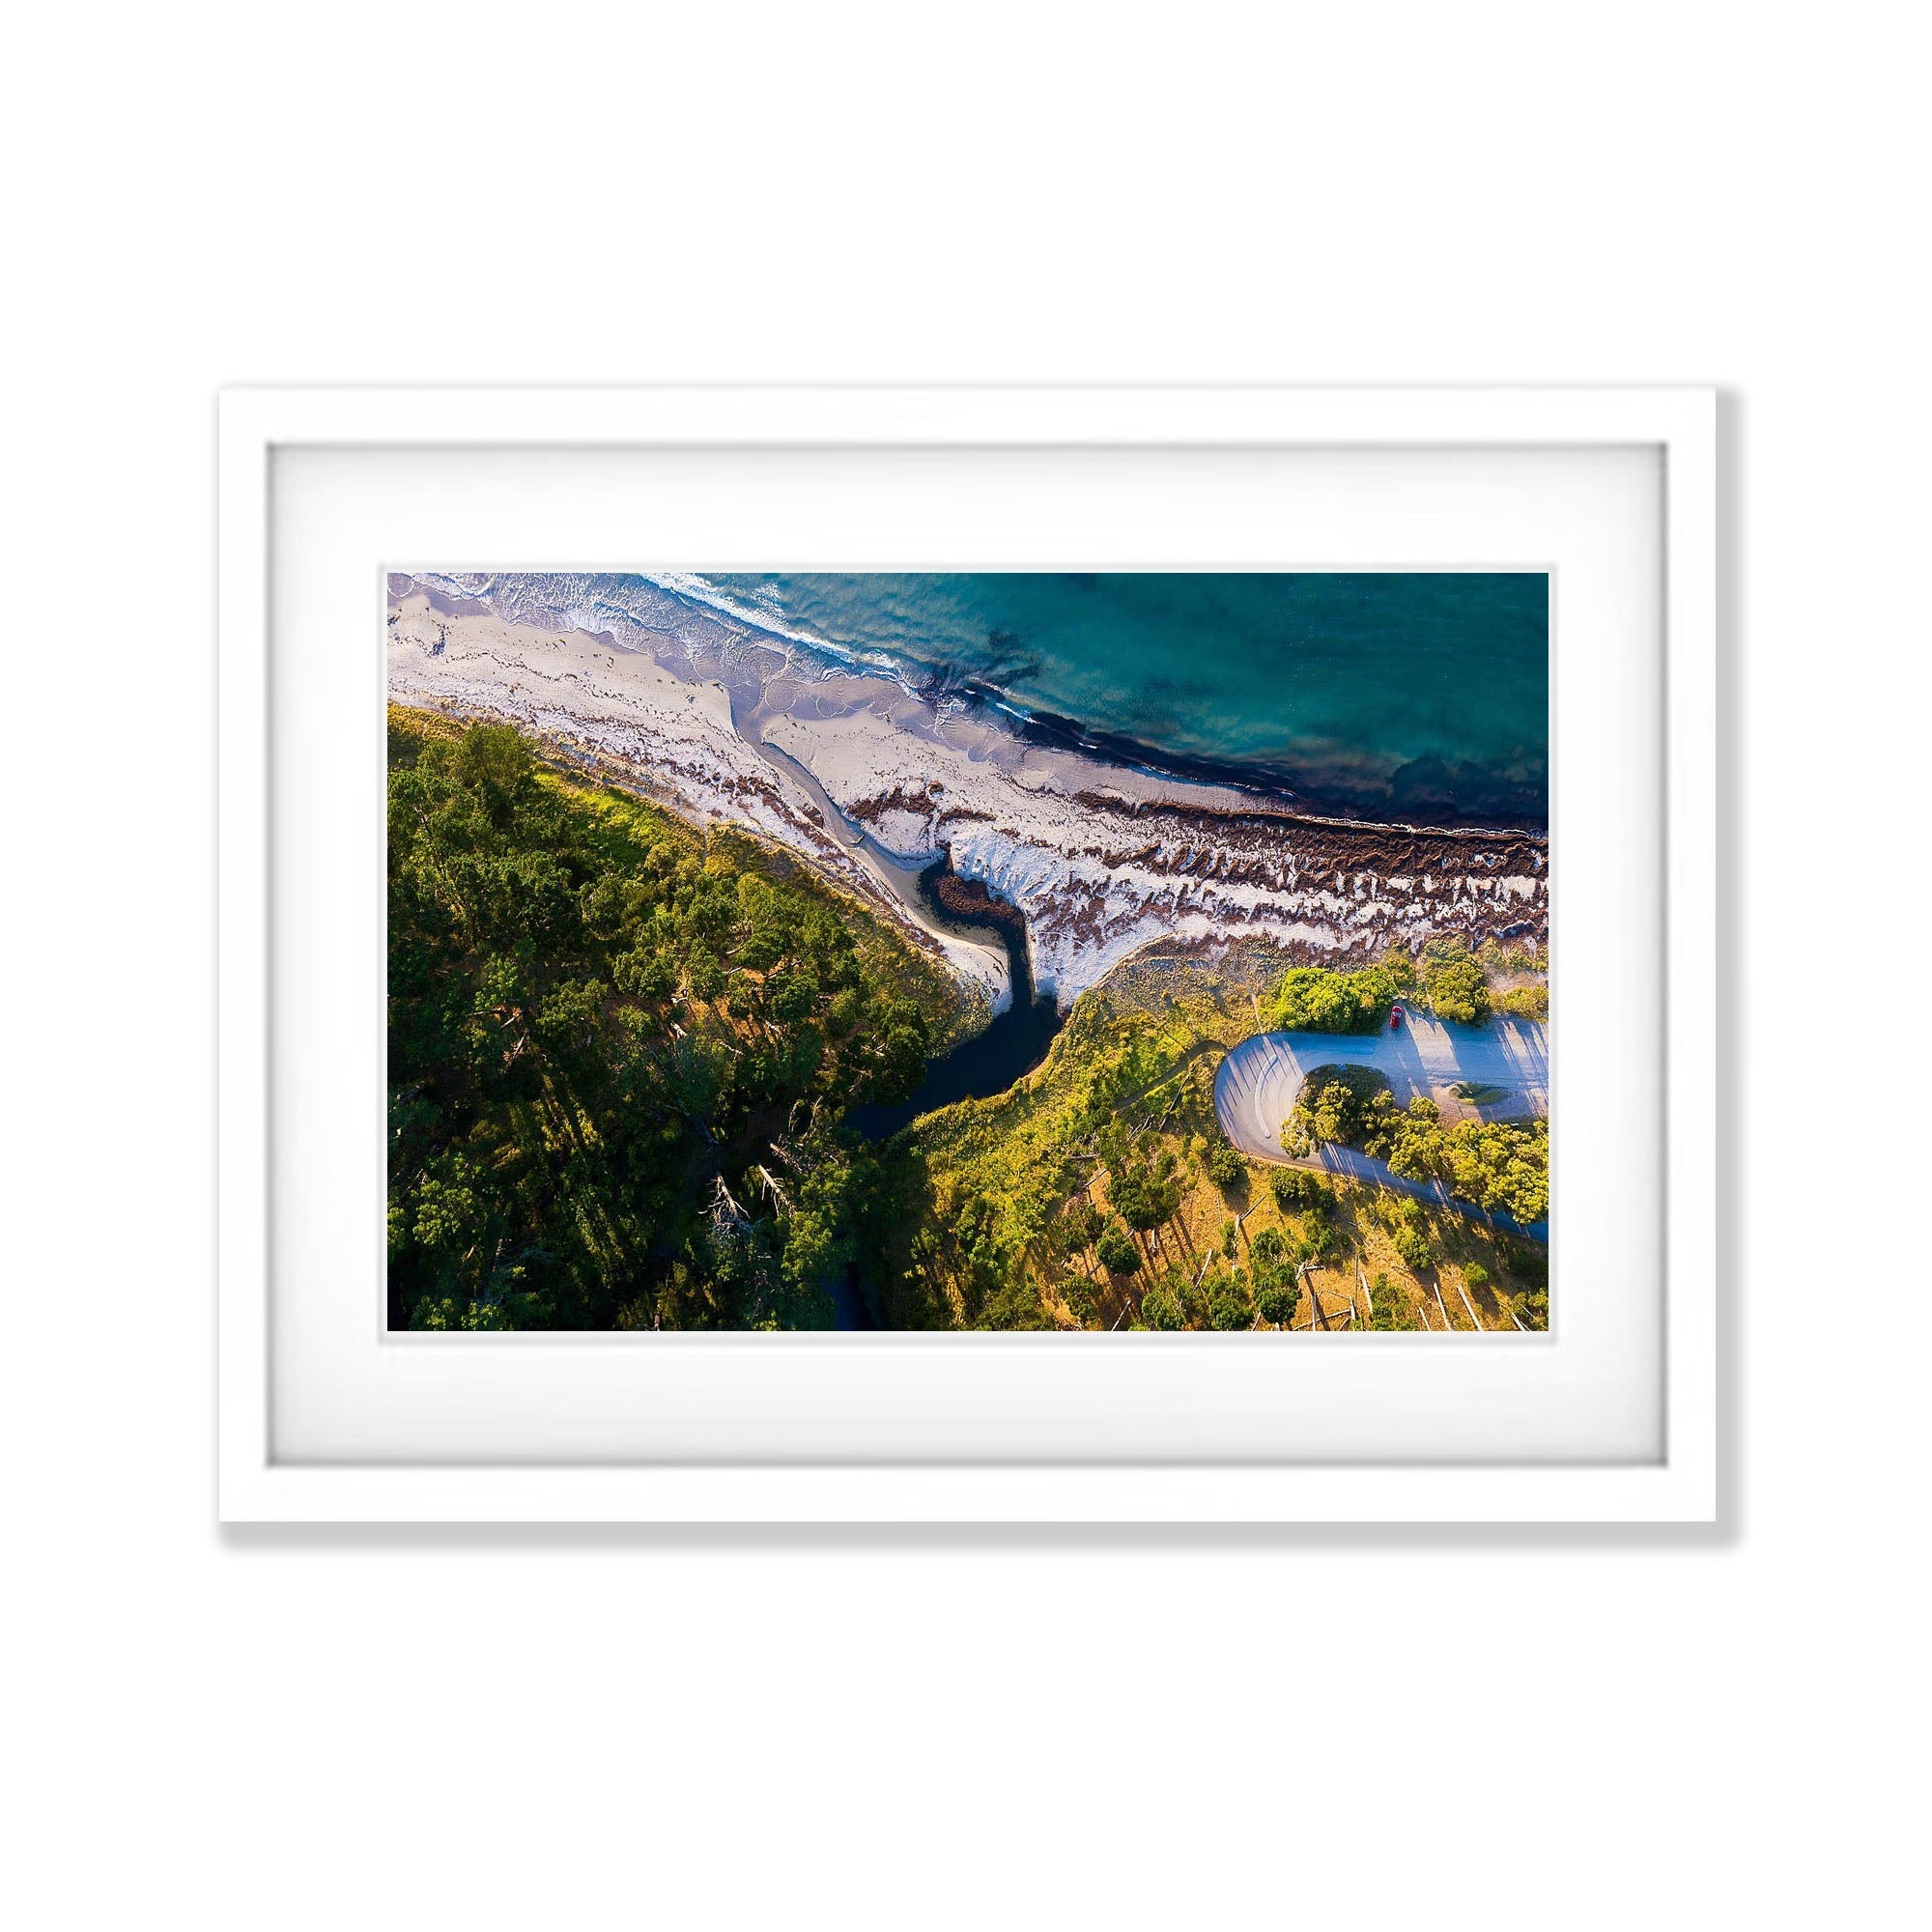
point(868, 781)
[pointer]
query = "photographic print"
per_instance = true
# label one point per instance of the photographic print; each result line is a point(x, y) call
point(1016, 950)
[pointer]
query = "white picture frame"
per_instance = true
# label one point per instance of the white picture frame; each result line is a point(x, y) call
point(1678, 1484)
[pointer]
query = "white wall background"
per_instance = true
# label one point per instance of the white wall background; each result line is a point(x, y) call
point(595, 1729)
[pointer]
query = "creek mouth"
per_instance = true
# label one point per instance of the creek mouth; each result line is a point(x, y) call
point(1010, 1045)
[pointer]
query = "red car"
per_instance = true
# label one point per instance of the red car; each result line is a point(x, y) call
point(1395, 1019)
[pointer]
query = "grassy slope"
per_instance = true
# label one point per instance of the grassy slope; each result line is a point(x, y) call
point(1150, 1043)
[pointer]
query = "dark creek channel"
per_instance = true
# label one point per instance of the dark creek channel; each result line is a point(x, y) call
point(1014, 1043)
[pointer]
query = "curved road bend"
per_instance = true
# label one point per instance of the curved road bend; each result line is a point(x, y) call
point(1256, 1086)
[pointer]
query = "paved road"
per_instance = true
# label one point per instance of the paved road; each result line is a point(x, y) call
point(1256, 1088)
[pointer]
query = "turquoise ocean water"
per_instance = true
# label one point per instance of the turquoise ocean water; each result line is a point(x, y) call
point(1414, 695)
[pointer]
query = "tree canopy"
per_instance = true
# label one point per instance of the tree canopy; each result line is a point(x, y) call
point(1335, 1105)
point(1453, 977)
point(618, 1055)
point(1497, 1165)
point(1311, 999)
point(1225, 1166)
point(1116, 1251)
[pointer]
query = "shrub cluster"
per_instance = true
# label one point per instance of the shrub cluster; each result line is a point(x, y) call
point(1294, 1189)
point(1453, 977)
point(1390, 1313)
point(1335, 1107)
point(1225, 1166)
point(1311, 999)
point(1497, 1165)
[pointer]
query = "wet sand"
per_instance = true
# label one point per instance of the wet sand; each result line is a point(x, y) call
point(870, 783)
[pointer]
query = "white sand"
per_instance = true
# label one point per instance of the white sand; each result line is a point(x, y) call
point(1102, 860)
point(670, 735)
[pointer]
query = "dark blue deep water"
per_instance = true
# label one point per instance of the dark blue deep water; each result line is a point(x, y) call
point(1420, 696)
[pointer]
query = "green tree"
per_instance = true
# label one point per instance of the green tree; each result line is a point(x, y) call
point(1296, 1191)
point(1078, 1227)
point(1227, 1311)
point(1412, 1246)
point(1278, 1302)
point(1323, 1242)
point(1336, 1105)
point(1078, 1295)
point(1528, 1003)
point(1390, 1311)
point(1453, 977)
point(1160, 1311)
point(1311, 999)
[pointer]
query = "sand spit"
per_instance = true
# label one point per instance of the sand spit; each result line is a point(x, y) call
point(660, 730)
point(868, 781)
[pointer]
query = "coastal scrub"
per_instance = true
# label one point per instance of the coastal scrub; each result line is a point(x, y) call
point(1312, 999)
point(618, 1051)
